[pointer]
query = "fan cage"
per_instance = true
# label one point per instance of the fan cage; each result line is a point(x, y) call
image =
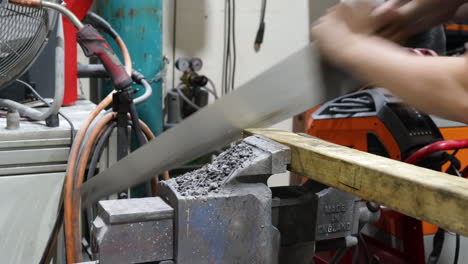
point(23, 33)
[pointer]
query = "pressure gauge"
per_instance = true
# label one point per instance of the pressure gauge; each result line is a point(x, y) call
point(196, 64)
point(183, 64)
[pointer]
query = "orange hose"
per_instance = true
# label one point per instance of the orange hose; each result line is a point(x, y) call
point(27, 3)
point(72, 254)
point(126, 55)
point(151, 136)
point(88, 148)
point(75, 212)
point(167, 176)
point(68, 192)
point(154, 180)
point(74, 251)
point(73, 248)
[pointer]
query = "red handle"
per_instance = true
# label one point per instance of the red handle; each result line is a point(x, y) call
point(436, 147)
point(93, 44)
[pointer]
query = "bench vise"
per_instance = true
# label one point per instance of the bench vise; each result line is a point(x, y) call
point(226, 213)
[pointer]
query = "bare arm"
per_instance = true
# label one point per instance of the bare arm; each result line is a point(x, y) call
point(462, 13)
point(436, 85)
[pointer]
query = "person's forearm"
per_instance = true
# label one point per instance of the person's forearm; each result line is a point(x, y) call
point(436, 85)
point(462, 13)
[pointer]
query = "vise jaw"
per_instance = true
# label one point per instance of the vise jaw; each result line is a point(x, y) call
point(133, 231)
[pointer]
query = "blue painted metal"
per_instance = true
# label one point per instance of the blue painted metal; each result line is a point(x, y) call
point(140, 25)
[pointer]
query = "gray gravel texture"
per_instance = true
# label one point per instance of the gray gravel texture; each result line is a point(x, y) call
point(209, 179)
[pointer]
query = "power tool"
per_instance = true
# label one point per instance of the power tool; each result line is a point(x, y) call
point(377, 122)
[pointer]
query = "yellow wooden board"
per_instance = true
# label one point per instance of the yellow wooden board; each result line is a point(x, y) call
point(427, 195)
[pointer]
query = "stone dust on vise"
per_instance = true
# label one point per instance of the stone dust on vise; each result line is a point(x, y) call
point(209, 179)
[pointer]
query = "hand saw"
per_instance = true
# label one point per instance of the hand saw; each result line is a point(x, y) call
point(294, 85)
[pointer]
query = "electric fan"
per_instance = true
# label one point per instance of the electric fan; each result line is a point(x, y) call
point(24, 32)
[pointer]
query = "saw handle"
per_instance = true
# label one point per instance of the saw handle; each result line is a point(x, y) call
point(93, 44)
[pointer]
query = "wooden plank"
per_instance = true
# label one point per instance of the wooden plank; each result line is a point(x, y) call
point(427, 195)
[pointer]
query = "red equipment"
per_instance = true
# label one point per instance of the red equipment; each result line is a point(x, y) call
point(80, 8)
point(376, 122)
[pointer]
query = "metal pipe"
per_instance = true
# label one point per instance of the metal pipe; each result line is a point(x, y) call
point(64, 11)
point(146, 95)
point(58, 7)
point(22, 109)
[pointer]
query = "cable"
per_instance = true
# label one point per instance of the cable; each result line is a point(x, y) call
point(97, 154)
point(449, 158)
point(73, 248)
point(72, 219)
point(338, 256)
point(234, 46)
point(228, 54)
point(356, 254)
point(167, 176)
point(100, 23)
point(213, 86)
point(38, 96)
point(224, 72)
point(138, 78)
point(72, 252)
point(87, 136)
point(457, 249)
point(364, 246)
point(147, 95)
point(89, 146)
point(185, 98)
point(210, 91)
point(52, 241)
point(98, 71)
point(230, 47)
point(457, 238)
point(437, 245)
point(174, 41)
point(139, 100)
point(261, 28)
point(136, 125)
point(98, 150)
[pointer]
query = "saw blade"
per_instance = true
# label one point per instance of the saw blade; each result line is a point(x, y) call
point(296, 84)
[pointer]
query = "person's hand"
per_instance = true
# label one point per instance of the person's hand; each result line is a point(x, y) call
point(411, 17)
point(344, 25)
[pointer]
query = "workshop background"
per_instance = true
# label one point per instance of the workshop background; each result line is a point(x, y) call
point(174, 150)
